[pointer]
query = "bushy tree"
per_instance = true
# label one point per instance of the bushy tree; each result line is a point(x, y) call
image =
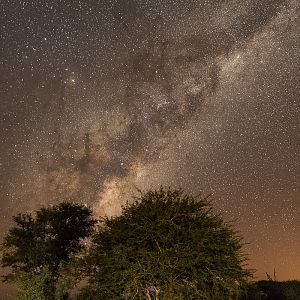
point(39, 246)
point(165, 245)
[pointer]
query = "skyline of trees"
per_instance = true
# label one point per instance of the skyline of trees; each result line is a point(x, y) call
point(164, 245)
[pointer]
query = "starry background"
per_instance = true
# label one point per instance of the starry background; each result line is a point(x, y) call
point(98, 98)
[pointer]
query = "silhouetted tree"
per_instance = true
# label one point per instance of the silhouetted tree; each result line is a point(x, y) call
point(165, 245)
point(39, 246)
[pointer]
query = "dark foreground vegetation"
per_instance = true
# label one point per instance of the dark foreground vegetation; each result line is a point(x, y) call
point(274, 290)
point(165, 245)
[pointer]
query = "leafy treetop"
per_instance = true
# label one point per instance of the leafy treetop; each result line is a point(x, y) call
point(169, 243)
point(46, 239)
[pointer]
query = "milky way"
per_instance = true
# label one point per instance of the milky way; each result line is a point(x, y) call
point(100, 99)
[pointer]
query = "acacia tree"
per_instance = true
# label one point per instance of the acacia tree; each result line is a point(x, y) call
point(165, 245)
point(39, 246)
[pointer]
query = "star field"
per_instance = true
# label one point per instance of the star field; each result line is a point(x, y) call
point(100, 97)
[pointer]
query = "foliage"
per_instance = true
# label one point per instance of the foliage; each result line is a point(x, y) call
point(39, 247)
point(34, 286)
point(170, 242)
point(274, 290)
point(42, 287)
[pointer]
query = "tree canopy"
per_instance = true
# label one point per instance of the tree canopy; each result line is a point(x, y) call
point(38, 245)
point(168, 245)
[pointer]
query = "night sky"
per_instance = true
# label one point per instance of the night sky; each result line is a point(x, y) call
point(98, 98)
